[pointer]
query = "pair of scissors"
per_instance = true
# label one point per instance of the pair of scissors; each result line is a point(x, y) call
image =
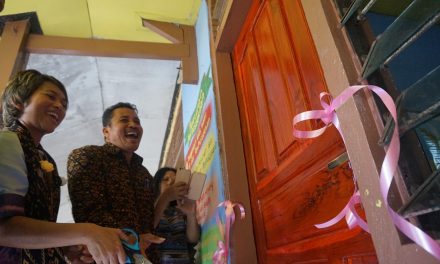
point(133, 251)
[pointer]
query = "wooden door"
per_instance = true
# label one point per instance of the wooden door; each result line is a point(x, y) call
point(278, 75)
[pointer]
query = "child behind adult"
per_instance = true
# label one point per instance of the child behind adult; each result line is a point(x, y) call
point(175, 218)
point(33, 105)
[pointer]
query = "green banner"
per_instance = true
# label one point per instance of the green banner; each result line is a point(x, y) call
point(195, 118)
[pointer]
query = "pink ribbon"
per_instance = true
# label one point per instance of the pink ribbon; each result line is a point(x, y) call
point(351, 216)
point(222, 253)
point(328, 116)
point(389, 165)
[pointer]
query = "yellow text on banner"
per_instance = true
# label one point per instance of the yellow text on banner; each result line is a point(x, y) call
point(206, 155)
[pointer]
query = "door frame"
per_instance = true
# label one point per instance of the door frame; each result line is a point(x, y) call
point(16, 42)
point(361, 126)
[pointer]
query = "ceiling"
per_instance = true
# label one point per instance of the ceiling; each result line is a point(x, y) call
point(105, 19)
point(95, 83)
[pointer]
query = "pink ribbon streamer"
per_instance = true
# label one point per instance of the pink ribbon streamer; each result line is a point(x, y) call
point(221, 255)
point(351, 216)
point(328, 116)
point(389, 165)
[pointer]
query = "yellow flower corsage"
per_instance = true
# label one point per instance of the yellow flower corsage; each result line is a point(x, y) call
point(46, 166)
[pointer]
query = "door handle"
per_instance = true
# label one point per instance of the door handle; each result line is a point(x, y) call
point(341, 159)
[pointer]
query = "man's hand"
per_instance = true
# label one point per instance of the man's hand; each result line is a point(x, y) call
point(77, 254)
point(145, 240)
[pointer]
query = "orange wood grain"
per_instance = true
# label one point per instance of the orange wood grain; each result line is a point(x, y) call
point(278, 75)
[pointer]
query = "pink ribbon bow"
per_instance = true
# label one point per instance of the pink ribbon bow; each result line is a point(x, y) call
point(328, 116)
point(389, 165)
point(222, 253)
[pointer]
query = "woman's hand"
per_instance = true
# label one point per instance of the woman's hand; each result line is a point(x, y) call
point(104, 244)
point(187, 206)
point(177, 191)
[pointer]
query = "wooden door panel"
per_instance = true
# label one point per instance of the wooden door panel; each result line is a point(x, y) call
point(258, 118)
point(278, 95)
point(306, 56)
point(305, 200)
point(278, 76)
point(351, 251)
point(304, 159)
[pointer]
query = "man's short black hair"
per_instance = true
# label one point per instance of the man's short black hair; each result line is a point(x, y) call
point(108, 113)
